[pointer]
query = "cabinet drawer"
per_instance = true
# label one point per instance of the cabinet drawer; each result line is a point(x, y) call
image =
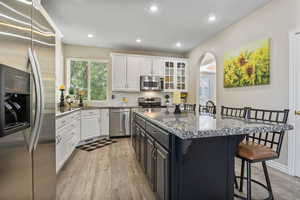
point(85, 113)
point(140, 121)
point(61, 122)
point(75, 116)
point(158, 134)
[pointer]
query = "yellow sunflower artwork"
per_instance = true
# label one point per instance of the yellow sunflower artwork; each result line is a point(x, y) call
point(248, 66)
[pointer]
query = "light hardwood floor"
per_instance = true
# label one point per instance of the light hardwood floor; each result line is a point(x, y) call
point(112, 173)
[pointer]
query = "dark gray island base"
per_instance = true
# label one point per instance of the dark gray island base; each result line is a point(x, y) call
point(190, 156)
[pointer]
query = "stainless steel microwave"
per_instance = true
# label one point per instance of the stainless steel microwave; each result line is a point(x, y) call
point(151, 83)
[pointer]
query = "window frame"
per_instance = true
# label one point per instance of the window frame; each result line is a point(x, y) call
point(68, 78)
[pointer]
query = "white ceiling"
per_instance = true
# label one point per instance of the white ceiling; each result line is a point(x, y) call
point(118, 23)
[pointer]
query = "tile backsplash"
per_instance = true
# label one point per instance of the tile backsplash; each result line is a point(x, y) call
point(120, 98)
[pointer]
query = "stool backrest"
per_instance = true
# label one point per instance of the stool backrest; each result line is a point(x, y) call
point(189, 107)
point(272, 140)
point(207, 109)
point(234, 112)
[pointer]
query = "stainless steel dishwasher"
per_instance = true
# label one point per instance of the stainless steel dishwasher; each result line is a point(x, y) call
point(119, 123)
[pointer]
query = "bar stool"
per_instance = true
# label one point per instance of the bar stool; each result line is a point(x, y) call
point(209, 107)
point(261, 147)
point(239, 113)
point(234, 112)
point(189, 107)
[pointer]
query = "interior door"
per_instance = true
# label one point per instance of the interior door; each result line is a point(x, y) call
point(15, 158)
point(43, 45)
point(297, 90)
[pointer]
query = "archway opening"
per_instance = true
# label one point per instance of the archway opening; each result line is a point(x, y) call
point(207, 88)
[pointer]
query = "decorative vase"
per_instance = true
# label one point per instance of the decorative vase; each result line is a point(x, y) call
point(62, 98)
point(80, 101)
point(177, 109)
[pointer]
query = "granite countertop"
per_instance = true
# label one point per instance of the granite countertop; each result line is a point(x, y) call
point(66, 110)
point(194, 125)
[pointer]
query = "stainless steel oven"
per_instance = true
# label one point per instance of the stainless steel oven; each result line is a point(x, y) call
point(151, 83)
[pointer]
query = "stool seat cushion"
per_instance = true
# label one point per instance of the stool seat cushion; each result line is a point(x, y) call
point(253, 151)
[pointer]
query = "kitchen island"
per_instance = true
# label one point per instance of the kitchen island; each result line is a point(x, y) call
point(190, 156)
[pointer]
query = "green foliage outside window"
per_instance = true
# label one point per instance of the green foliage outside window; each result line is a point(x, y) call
point(98, 81)
point(81, 72)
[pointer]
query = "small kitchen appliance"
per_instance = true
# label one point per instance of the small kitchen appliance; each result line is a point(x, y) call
point(151, 83)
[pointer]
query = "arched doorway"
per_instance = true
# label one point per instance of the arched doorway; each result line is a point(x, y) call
point(207, 79)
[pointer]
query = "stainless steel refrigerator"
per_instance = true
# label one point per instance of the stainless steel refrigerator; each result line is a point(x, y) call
point(27, 157)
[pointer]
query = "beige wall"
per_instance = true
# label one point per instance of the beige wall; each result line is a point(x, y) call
point(275, 20)
point(75, 51)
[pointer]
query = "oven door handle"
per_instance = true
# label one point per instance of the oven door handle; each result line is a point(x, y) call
point(37, 87)
point(42, 100)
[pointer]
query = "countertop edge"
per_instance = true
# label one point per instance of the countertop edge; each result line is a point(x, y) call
point(218, 132)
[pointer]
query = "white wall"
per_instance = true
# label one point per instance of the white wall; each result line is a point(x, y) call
point(274, 20)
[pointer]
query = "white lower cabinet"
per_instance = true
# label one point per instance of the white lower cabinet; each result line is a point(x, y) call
point(67, 137)
point(76, 127)
point(104, 122)
point(90, 124)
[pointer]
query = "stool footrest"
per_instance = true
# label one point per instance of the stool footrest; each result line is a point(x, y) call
point(270, 197)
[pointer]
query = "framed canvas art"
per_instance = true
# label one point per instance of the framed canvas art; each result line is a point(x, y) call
point(248, 66)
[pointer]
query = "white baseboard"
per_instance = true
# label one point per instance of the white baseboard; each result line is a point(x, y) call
point(276, 165)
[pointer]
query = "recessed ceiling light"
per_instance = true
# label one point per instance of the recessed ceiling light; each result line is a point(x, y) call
point(212, 18)
point(90, 35)
point(178, 44)
point(153, 8)
point(138, 40)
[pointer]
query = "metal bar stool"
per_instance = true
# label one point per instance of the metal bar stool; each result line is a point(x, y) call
point(261, 147)
point(189, 107)
point(239, 113)
point(210, 108)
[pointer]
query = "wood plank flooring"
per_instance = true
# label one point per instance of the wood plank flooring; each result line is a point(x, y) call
point(112, 173)
point(108, 173)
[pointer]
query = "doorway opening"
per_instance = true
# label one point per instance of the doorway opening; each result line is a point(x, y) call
point(207, 84)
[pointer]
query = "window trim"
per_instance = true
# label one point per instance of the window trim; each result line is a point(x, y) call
point(68, 74)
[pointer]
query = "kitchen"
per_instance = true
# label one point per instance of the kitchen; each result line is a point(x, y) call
point(145, 104)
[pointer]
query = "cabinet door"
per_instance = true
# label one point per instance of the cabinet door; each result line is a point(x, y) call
point(181, 75)
point(59, 152)
point(90, 127)
point(133, 136)
point(143, 152)
point(138, 143)
point(118, 72)
point(133, 73)
point(77, 131)
point(104, 122)
point(146, 66)
point(158, 67)
point(150, 161)
point(170, 76)
point(161, 173)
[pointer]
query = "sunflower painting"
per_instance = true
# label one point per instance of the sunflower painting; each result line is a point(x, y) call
point(248, 66)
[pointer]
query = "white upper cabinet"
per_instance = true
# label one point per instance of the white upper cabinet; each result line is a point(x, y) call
point(133, 73)
point(158, 67)
point(119, 72)
point(175, 75)
point(146, 66)
point(127, 69)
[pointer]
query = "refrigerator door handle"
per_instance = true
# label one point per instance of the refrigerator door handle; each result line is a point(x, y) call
point(37, 86)
point(42, 100)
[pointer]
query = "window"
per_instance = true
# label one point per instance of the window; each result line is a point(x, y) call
point(89, 78)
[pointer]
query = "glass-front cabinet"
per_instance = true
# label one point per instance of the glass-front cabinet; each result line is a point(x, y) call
point(175, 77)
point(169, 75)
